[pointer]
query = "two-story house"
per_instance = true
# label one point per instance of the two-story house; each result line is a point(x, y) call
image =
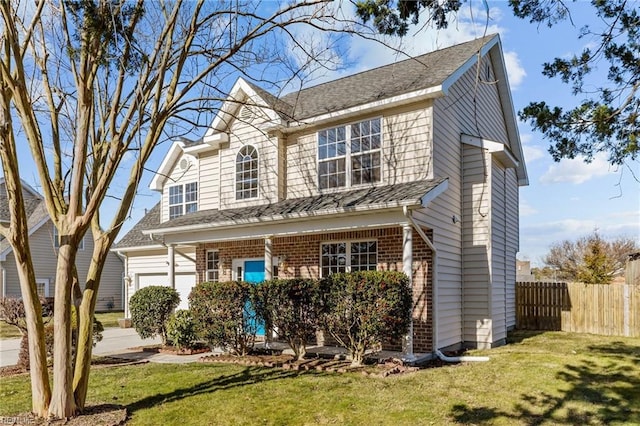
point(43, 243)
point(413, 166)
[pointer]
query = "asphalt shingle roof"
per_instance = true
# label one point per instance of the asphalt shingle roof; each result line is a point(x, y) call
point(135, 237)
point(404, 193)
point(421, 72)
point(35, 209)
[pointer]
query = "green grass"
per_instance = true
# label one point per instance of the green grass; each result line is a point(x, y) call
point(8, 331)
point(550, 378)
point(108, 319)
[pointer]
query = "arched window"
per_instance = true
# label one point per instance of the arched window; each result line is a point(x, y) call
point(247, 173)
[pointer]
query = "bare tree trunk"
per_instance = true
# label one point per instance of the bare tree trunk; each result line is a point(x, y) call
point(40, 389)
point(62, 401)
point(85, 321)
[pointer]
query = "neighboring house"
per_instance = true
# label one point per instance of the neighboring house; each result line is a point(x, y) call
point(413, 166)
point(523, 271)
point(43, 245)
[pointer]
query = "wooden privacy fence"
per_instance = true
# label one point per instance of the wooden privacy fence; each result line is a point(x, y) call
point(606, 309)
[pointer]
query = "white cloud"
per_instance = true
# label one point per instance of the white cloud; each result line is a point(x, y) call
point(531, 153)
point(576, 170)
point(514, 70)
point(527, 209)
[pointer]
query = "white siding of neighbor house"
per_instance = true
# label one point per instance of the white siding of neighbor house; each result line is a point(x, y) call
point(471, 108)
point(180, 177)
point(406, 150)
point(250, 133)
point(512, 244)
point(45, 261)
point(209, 178)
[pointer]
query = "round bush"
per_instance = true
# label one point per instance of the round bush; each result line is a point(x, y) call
point(363, 308)
point(224, 316)
point(150, 310)
point(181, 329)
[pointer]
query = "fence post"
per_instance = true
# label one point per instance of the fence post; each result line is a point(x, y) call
point(626, 307)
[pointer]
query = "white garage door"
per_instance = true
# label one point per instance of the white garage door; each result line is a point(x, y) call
point(184, 284)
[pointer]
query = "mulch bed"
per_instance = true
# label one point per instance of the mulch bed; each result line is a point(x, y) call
point(165, 349)
point(384, 368)
point(94, 415)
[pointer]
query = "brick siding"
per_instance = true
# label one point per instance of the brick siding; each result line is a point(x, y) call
point(303, 260)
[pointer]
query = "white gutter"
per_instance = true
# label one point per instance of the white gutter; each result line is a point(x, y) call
point(407, 214)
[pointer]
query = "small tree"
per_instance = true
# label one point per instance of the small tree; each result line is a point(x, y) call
point(361, 309)
point(181, 329)
point(223, 315)
point(150, 309)
point(293, 308)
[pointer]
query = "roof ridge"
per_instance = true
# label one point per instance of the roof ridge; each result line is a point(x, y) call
point(411, 58)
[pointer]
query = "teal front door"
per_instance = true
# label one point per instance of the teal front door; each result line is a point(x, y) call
point(254, 273)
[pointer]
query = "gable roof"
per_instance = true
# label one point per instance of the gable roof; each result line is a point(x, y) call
point(135, 237)
point(380, 197)
point(35, 209)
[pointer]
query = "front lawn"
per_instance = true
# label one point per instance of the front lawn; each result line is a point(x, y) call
point(108, 319)
point(550, 378)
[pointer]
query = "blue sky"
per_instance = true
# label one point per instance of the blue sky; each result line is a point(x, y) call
point(564, 200)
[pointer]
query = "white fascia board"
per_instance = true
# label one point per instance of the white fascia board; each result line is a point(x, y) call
point(500, 150)
point(428, 93)
point(236, 98)
point(137, 248)
point(504, 92)
point(210, 143)
point(165, 167)
point(280, 218)
point(435, 192)
point(332, 223)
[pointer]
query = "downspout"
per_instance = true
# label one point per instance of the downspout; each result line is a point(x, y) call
point(436, 351)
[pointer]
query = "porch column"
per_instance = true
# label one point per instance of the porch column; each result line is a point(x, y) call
point(268, 258)
point(171, 273)
point(407, 268)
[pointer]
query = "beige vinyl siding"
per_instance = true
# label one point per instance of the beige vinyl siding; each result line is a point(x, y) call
point(209, 181)
point(155, 261)
point(512, 244)
point(472, 109)
point(42, 249)
point(406, 150)
point(476, 201)
point(180, 177)
point(498, 252)
point(241, 134)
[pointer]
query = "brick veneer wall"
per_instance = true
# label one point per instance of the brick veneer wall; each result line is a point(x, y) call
point(303, 259)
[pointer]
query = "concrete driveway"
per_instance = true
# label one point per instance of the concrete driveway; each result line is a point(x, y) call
point(114, 341)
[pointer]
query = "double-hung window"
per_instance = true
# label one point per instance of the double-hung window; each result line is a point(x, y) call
point(349, 257)
point(350, 155)
point(213, 265)
point(183, 199)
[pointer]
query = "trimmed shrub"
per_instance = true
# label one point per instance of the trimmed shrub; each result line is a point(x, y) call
point(181, 329)
point(223, 315)
point(292, 307)
point(361, 309)
point(150, 310)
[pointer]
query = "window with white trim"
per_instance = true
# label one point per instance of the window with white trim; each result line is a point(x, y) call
point(348, 257)
point(56, 240)
point(247, 173)
point(350, 155)
point(183, 199)
point(213, 265)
